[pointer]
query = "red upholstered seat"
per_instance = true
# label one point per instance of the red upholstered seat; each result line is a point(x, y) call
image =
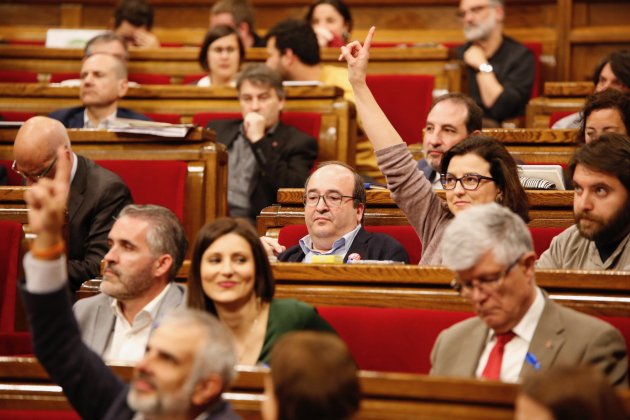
point(192, 78)
point(165, 118)
point(16, 115)
point(150, 79)
point(558, 115)
point(290, 235)
point(388, 339)
point(17, 76)
point(405, 99)
point(60, 77)
point(39, 415)
point(161, 182)
point(542, 237)
point(11, 234)
point(14, 179)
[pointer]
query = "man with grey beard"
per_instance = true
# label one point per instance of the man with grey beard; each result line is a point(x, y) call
point(500, 70)
point(189, 359)
point(147, 245)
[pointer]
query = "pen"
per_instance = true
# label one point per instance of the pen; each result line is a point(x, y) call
point(370, 186)
point(531, 359)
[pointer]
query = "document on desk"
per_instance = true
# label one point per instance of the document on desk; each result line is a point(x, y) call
point(126, 125)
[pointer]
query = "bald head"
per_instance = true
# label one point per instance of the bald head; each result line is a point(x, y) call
point(36, 144)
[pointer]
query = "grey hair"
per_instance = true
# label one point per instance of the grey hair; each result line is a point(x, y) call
point(166, 234)
point(216, 353)
point(483, 228)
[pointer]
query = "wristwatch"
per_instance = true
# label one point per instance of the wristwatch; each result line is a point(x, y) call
point(485, 68)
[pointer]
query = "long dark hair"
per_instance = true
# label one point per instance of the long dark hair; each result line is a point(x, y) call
point(212, 35)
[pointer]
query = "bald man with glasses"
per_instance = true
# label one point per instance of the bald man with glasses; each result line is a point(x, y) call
point(96, 194)
point(518, 330)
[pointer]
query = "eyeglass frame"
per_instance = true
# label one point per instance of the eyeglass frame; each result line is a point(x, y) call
point(35, 178)
point(460, 180)
point(466, 288)
point(320, 196)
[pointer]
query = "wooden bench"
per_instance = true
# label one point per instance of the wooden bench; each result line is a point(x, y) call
point(559, 97)
point(205, 181)
point(337, 131)
point(547, 209)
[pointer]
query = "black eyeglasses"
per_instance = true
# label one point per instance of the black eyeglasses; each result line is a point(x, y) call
point(486, 283)
point(469, 182)
point(330, 199)
point(33, 178)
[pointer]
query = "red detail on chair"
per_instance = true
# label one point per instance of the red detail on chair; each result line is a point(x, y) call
point(406, 100)
point(161, 182)
point(558, 115)
point(14, 179)
point(10, 76)
point(165, 118)
point(390, 339)
point(11, 234)
point(542, 237)
point(192, 79)
point(291, 234)
point(39, 414)
point(150, 79)
point(60, 77)
point(16, 115)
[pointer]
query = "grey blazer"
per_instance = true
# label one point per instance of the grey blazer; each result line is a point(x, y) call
point(96, 319)
point(562, 337)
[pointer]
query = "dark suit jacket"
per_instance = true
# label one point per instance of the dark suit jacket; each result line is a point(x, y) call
point(90, 386)
point(284, 159)
point(562, 337)
point(427, 170)
point(73, 117)
point(96, 197)
point(369, 245)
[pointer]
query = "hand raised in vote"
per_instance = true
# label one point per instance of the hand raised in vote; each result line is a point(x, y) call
point(357, 57)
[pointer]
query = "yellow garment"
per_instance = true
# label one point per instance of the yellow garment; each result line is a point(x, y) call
point(365, 162)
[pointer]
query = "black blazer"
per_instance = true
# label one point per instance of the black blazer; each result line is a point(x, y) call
point(73, 117)
point(96, 197)
point(284, 159)
point(369, 246)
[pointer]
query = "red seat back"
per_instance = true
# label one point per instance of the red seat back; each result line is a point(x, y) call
point(60, 77)
point(290, 235)
point(390, 339)
point(192, 78)
point(16, 76)
point(542, 237)
point(150, 79)
point(16, 115)
point(27, 414)
point(558, 115)
point(161, 182)
point(165, 118)
point(405, 99)
point(11, 234)
point(14, 179)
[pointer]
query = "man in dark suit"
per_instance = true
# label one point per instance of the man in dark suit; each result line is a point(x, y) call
point(334, 203)
point(190, 357)
point(96, 194)
point(103, 83)
point(263, 153)
point(518, 329)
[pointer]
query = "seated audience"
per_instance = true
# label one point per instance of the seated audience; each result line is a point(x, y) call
point(146, 249)
point(189, 359)
point(600, 237)
point(518, 330)
point(500, 70)
point(133, 20)
point(334, 203)
point(478, 170)
point(451, 119)
point(613, 72)
point(568, 393)
point(292, 50)
point(313, 377)
point(96, 194)
point(230, 277)
point(331, 21)
point(220, 56)
point(240, 15)
point(103, 83)
point(605, 112)
point(265, 153)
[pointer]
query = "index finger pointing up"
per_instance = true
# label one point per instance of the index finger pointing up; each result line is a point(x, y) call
point(368, 38)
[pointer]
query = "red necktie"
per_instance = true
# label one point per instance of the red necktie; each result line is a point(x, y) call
point(493, 367)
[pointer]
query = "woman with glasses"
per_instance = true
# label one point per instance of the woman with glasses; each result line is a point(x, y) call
point(477, 170)
point(220, 56)
point(230, 277)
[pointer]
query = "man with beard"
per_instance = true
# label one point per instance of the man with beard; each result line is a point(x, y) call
point(600, 238)
point(146, 249)
point(500, 70)
point(189, 358)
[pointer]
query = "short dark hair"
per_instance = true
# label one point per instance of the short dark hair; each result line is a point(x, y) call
point(607, 99)
point(136, 12)
point(264, 285)
point(240, 10)
point(609, 154)
point(298, 36)
point(212, 35)
point(106, 37)
point(339, 6)
point(314, 377)
point(358, 191)
point(619, 64)
point(475, 113)
point(502, 169)
point(260, 74)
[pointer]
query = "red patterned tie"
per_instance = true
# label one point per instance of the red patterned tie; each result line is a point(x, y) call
point(493, 367)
